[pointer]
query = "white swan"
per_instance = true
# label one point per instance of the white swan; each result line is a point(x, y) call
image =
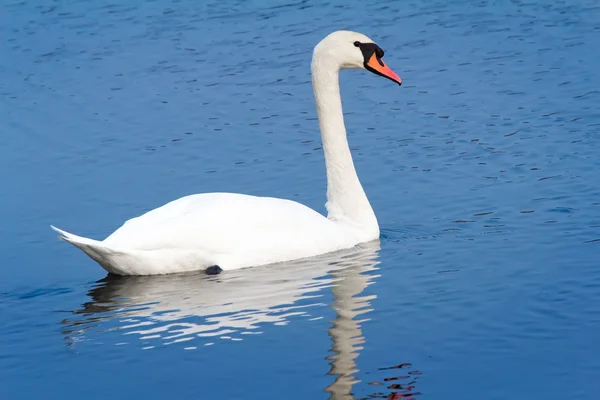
point(215, 231)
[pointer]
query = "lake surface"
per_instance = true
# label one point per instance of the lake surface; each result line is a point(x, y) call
point(483, 170)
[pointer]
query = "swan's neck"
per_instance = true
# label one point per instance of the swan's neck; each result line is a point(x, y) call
point(346, 200)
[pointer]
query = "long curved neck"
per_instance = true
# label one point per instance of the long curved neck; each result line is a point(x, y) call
point(346, 199)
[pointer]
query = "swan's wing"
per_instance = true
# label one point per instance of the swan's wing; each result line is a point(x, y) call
point(226, 223)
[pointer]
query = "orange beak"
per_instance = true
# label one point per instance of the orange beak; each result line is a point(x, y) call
point(377, 66)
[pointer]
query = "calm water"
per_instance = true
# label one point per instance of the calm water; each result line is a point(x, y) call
point(482, 169)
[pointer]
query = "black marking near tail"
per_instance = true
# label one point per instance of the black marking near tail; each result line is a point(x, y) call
point(213, 270)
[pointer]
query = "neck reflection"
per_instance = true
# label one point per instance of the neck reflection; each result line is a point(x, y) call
point(345, 332)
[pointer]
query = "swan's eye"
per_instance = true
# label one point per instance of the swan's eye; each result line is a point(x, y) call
point(357, 44)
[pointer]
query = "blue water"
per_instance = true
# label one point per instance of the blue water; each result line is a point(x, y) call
point(482, 169)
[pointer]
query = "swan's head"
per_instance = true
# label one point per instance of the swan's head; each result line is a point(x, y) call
point(353, 50)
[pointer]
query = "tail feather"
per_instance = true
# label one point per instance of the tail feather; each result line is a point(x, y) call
point(74, 239)
point(122, 261)
point(97, 250)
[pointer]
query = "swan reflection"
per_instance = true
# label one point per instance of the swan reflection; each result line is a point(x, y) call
point(199, 309)
point(183, 307)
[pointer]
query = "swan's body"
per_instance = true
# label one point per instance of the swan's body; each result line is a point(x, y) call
point(225, 229)
point(235, 230)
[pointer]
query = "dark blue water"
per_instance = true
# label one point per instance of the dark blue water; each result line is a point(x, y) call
point(482, 169)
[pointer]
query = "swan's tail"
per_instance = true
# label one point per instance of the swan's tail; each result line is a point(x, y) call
point(98, 251)
point(138, 262)
point(74, 239)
